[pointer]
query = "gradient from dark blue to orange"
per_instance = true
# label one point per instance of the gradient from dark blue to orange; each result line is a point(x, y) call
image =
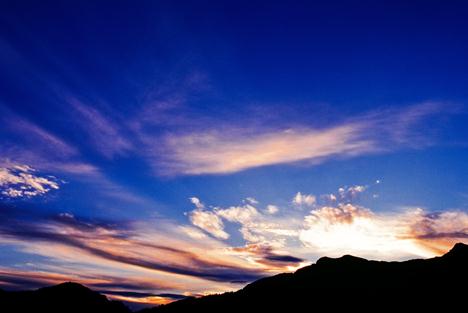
point(156, 150)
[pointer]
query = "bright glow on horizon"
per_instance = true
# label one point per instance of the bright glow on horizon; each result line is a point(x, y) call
point(155, 150)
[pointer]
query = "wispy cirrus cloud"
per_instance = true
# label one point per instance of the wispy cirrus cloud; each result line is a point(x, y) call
point(224, 148)
point(21, 134)
point(105, 134)
point(28, 144)
point(231, 150)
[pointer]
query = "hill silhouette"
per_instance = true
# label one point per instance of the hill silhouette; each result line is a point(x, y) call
point(347, 283)
point(63, 298)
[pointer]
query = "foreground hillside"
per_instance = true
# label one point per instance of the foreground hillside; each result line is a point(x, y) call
point(349, 283)
point(66, 298)
point(346, 283)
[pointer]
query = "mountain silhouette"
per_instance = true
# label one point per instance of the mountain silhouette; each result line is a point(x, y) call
point(348, 283)
point(63, 298)
point(345, 284)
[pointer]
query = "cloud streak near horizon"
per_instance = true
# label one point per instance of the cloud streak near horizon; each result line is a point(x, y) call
point(272, 242)
point(268, 239)
point(157, 151)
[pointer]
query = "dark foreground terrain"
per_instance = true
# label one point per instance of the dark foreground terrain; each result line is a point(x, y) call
point(347, 283)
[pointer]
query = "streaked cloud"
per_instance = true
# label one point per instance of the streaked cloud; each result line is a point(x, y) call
point(207, 256)
point(228, 151)
point(268, 256)
point(105, 134)
point(33, 135)
point(439, 231)
point(124, 246)
point(226, 148)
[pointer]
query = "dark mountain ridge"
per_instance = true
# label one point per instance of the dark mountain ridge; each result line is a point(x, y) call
point(67, 297)
point(332, 284)
point(349, 283)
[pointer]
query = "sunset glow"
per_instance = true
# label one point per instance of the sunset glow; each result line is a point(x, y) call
point(155, 150)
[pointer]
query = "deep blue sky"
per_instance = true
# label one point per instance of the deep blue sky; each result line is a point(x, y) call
point(135, 108)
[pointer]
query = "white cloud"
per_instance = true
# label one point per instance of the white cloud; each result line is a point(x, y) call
point(350, 193)
point(334, 231)
point(251, 200)
point(254, 226)
point(339, 227)
point(355, 230)
point(329, 197)
point(197, 202)
point(272, 209)
point(306, 200)
point(18, 180)
point(209, 222)
point(193, 232)
point(239, 214)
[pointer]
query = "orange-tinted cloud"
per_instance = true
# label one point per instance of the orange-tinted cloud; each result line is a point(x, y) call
point(227, 148)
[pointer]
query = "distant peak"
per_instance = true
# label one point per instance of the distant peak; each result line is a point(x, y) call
point(71, 286)
point(344, 259)
point(458, 250)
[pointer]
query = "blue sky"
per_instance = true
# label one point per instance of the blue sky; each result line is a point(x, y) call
point(249, 137)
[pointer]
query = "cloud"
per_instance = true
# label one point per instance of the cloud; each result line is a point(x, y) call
point(197, 203)
point(223, 148)
point(134, 290)
point(439, 231)
point(272, 209)
point(209, 222)
point(239, 214)
point(336, 225)
point(105, 134)
point(348, 194)
point(348, 228)
point(254, 225)
point(159, 256)
point(33, 134)
point(232, 150)
point(28, 143)
point(306, 200)
point(345, 228)
point(18, 180)
point(343, 214)
point(111, 242)
point(251, 200)
point(266, 255)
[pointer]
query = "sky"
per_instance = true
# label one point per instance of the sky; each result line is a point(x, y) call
point(161, 149)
